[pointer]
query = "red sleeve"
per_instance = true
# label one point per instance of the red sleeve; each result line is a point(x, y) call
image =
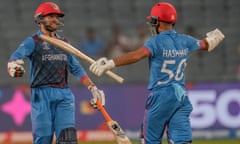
point(147, 51)
point(83, 78)
point(203, 45)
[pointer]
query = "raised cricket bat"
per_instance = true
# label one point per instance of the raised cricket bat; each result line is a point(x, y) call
point(119, 134)
point(69, 48)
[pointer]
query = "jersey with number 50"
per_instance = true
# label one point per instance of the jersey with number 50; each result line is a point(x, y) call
point(170, 52)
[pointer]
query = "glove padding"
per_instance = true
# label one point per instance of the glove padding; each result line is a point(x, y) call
point(101, 65)
point(214, 38)
point(97, 95)
point(15, 68)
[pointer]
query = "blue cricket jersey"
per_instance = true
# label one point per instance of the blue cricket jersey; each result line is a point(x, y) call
point(49, 65)
point(170, 52)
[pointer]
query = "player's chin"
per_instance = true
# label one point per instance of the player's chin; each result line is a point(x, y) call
point(52, 28)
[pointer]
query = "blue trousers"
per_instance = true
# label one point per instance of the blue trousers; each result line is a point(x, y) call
point(53, 109)
point(167, 108)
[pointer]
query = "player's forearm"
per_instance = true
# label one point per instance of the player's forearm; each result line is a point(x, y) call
point(131, 57)
point(125, 60)
point(86, 81)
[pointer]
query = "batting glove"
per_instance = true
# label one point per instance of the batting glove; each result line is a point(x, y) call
point(15, 68)
point(214, 38)
point(101, 65)
point(97, 95)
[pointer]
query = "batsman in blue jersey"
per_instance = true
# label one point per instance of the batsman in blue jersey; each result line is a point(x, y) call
point(167, 105)
point(52, 102)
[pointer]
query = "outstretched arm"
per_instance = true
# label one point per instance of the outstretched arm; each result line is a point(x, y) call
point(103, 64)
point(131, 57)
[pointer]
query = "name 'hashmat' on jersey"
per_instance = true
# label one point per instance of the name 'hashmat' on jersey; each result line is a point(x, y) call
point(175, 53)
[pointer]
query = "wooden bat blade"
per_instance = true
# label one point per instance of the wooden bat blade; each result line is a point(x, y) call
point(118, 132)
point(69, 48)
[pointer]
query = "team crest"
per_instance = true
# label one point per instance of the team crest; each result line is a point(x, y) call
point(54, 6)
point(45, 46)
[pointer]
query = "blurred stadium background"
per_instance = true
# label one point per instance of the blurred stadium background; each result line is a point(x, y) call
point(213, 79)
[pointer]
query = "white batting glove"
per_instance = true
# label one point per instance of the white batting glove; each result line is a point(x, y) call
point(97, 95)
point(214, 38)
point(15, 68)
point(101, 65)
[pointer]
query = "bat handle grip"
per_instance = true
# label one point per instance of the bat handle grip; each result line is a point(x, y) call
point(103, 111)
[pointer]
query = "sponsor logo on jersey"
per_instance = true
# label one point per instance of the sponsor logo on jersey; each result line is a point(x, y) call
point(54, 57)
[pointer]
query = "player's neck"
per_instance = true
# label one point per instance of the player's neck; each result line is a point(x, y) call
point(164, 27)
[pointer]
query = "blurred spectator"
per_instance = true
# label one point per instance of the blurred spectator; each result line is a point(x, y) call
point(118, 43)
point(141, 37)
point(91, 44)
point(190, 30)
point(199, 56)
point(238, 72)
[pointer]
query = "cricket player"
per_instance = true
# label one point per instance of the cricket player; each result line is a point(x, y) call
point(168, 52)
point(52, 102)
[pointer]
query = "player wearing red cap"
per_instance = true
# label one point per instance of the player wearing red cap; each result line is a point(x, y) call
point(52, 102)
point(168, 52)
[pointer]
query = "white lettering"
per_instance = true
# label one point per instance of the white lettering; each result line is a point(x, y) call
point(209, 109)
point(175, 53)
point(224, 116)
point(203, 114)
point(54, 57)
